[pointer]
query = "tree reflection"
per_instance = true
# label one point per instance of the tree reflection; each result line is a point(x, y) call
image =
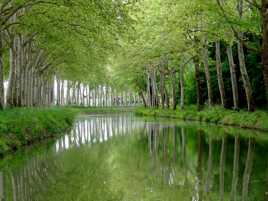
point(174, 159)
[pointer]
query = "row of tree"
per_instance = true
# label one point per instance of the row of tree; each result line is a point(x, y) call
point(77, 93)
point(40, 39)
point(220, 44)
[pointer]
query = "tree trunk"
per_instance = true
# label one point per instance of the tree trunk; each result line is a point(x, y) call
point(162, 89)
point(2, 93)
point(232, 67)
point(94, 97)
point(36, 88)
point(207, 73)
point(18, 70)
point(174, 94)
point(264, 52)
point(166, 98)
point(199, 101)
point(62, 93)
point(149, 90)
point(182, 86)
point(23, 75)
point(58, 91)
point(68, 92)
point(30, 86)
point(52, 86)
point(89, 96)
point(245, 77)
point(219, 74)
point(242, 63)
point(12, 77)
point(73, 93)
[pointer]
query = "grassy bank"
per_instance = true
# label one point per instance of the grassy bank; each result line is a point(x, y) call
point(101, 110)
point(217, 115)
point(20, 127)
point(24, 126)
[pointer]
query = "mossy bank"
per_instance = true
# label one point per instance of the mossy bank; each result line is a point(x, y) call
point(217, 115)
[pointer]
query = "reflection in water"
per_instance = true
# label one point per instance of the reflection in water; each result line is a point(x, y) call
point(247, 170)
point(222, 167)
point(97, 129)
point(233, 196)
point(175, 161)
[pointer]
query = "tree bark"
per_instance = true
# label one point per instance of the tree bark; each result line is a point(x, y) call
point(62, 93)
point(10, 99)
point(174, 94)
point(2, 93)
point(245, 77)
point(143, 98)
point(58, 90)
point(182, 86)
point(149, 90)
point(166, 98)
point(242, 63)
point(68, 92)
point(232, 68)
point(199, 101)
point(207, 73)
point(264, 52)
point(219, 73)
point(18, 70)
point(162, 89)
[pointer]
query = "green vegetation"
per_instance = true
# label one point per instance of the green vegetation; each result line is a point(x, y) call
point(197, 52)
point(172, 53)
point(91, 110)
point(20, 127)
point(70, 40)
point(217, 115)
point(24, 126)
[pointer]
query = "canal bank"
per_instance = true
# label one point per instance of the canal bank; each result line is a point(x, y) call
point(21, 127)
point(251, 120)
point(24, 126)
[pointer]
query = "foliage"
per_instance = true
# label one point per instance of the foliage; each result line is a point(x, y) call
point(176, 30)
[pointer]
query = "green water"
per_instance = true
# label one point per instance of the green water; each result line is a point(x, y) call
point(125, 158)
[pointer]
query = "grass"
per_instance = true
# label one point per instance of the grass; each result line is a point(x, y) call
point(24, 126)
point(92, 110)
point(20, 127)
point(217, 115)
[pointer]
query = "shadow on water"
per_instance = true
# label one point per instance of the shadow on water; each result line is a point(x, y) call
point(122, 157)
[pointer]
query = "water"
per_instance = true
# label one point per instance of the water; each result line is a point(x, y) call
point(125, 158)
